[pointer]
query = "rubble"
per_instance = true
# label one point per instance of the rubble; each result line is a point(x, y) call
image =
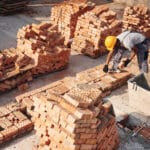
point(92, 29)
point(137, 18)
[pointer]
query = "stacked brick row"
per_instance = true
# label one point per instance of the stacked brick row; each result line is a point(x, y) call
point(9, 6)
point(12, 60)
point(137, 18)
point(40, 49)
point(7, 61)
point(13, 122)
point(74, 121)
point(66, 14)
point(92, 29)
point(45, 44)
point(70, 113)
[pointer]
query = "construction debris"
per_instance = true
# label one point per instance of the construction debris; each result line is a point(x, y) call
point(66, 14)
point(137, 18)
point(92, 29)
point(13, 122)
point(9, 6)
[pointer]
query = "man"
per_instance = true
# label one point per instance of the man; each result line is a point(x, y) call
point(128, 40)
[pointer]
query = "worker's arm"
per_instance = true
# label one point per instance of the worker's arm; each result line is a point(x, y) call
point(110, 54)
point(105, 68)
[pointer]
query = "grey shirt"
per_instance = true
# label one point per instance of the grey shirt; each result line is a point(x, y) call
point(130, 39)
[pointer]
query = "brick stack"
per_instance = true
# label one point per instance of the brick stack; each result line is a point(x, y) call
point(8, 58)
point(40, 49)
point(92, 29)
point(46, 45)
point(74, 121)
point(13, 122)
point(70, 113)
point(66, 14)
point(137, 18)
point(9, 6)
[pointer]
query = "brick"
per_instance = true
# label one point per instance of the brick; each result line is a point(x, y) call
point(109, 79)
point(24, 126)
point(10, 132)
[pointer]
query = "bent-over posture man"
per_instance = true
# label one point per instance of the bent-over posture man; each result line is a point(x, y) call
point(128, 40)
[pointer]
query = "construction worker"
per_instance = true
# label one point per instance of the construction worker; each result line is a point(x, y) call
point(134, 42)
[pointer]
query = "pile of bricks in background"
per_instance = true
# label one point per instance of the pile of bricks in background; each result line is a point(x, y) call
point(9, 6)
point(66, 14)
point(92, 29)
point(13, 121)
point(40, 49)
point(14, 66)
point(137, 18)
point(46, 44)
point(70, 113)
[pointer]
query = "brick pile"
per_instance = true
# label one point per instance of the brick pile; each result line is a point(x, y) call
point(137, 18)
point(9, 6)
point(70, 113)
point(66, 14)
point(13, 122)
point(7, 61)
point(40, 49)
point(74, 121)
point(46, 45)
point(92, 29)
point(12, 61)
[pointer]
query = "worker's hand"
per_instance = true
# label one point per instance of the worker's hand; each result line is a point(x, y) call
point(105, 68)
point(126, 62)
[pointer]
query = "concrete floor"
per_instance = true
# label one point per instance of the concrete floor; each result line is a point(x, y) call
point(37, 12)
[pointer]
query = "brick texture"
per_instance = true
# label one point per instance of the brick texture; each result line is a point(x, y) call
point(92, 29)
point(75, 117)
point(137, 18)
point(13, 121)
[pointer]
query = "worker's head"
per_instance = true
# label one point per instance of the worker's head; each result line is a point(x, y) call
point(110, 42)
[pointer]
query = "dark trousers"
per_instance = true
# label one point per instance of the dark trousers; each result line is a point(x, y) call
point(142, 57)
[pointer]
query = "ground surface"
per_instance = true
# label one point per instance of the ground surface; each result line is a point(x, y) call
point(41, 12)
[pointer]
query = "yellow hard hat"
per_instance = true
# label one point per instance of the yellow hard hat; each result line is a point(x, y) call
point(110, 42)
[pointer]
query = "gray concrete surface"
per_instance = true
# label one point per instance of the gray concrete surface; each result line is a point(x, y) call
point(40, 12)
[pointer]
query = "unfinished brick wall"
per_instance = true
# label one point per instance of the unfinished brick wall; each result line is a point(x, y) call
point(13, 122)
point(137, 18)
point(66, 14)
point(70, 113)
point(92, 29)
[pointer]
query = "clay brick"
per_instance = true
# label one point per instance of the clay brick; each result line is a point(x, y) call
point(20, 115)
point(109, 79)
point(24, 126)
point(10, 132)
point(4, 110)
point(84, 114)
